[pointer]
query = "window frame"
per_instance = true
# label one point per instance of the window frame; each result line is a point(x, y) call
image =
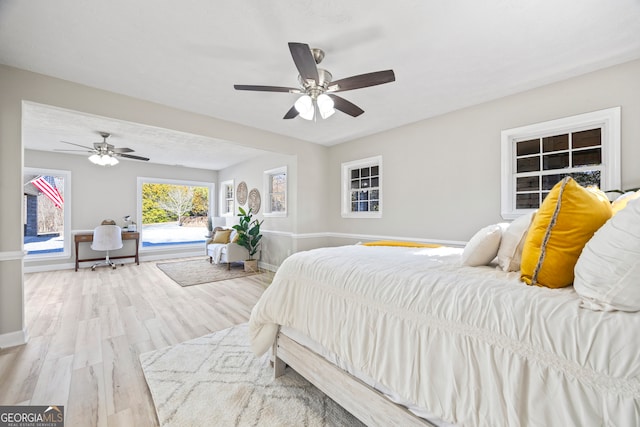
point(223, 198)
point(266, 180)
point(66, 246)
point(608, 120)
point(150, 180)
point(347, 167)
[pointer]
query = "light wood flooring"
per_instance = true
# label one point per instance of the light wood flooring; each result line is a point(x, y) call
point(87, 329)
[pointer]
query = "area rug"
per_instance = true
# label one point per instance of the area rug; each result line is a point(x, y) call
point(216, 380)
point(198, 271)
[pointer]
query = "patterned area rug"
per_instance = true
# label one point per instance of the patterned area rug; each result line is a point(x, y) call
point(198, 271)
point(216, 380)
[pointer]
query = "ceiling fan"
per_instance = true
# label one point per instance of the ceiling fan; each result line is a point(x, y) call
point(317, 89)
point(105, 154)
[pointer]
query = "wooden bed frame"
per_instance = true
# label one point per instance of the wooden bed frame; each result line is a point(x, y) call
point(365, 403)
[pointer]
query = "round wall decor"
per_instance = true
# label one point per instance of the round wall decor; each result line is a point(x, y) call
point(254, 200)
point(241, 193)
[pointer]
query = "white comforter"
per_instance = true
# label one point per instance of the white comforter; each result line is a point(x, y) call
point(472, 345)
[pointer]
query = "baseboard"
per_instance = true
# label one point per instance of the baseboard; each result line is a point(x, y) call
point(150, 256)
point(13, 339)
point(268, 267)
point(48, 267)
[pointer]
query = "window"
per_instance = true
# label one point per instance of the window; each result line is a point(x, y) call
point(227, 206)
point(47, 213)
point(173, 212)
point(536, 157)
point(362, 188)
point(275, 189)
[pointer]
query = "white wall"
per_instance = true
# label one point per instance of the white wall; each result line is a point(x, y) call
point(441, 177)
point(278, 232)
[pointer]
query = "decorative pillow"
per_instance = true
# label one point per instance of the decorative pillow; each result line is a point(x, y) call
point(608, 269)
point(483, 246)
point(221, 236)
point(565, 222)
point(233, 237)
point(620, 203)
point(510, 251)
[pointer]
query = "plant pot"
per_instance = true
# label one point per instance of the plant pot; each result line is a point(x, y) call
point(251, 266)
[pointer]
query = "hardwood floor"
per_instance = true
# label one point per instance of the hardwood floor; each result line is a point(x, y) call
point(87, 329)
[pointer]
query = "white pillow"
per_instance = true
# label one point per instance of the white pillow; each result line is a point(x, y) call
point(510, 251)
point(607, 274)
point(483, 246)
point(618, 204)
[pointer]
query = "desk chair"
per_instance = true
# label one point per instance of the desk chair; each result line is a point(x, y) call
point(106, 238)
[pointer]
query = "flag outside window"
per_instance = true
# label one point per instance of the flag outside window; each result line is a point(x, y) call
point(47, 186)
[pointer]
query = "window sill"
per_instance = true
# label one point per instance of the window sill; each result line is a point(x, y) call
point(361, 214)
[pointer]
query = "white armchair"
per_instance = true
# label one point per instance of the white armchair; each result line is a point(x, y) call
point(225, 252)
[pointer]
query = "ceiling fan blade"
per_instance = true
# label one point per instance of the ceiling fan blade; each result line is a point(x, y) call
point(73, 151)
point(303, 58)
point(345, 106)
point(292, 113)
point(267, 88)
point(362, 80)
point(131, 156)
point(78, 145)
point(123, 150)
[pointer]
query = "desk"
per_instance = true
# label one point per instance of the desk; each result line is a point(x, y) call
point(88, 237)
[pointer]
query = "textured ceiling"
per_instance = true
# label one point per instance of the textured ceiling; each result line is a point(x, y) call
point(446, 54)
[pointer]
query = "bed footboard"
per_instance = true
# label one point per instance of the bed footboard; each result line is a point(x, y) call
point(365, 403)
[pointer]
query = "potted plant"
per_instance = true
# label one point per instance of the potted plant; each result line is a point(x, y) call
point(209, 227)
point(249, 237)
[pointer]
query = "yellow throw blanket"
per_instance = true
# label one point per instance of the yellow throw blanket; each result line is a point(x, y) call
point(403, 244)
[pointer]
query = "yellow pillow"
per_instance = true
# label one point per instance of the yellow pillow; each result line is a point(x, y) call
point(565, 222)
point(221, 236)
point(620, 203)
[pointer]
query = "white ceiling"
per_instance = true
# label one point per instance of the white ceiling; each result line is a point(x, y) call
point(446, 55)
point(45, 127)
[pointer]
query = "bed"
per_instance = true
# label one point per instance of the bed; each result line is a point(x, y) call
point(446, 342)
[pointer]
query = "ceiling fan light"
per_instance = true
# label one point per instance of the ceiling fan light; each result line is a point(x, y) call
point(103, 160)
point(305, 107)
point(325, 114)
point(325, 102)
point(325, 105)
